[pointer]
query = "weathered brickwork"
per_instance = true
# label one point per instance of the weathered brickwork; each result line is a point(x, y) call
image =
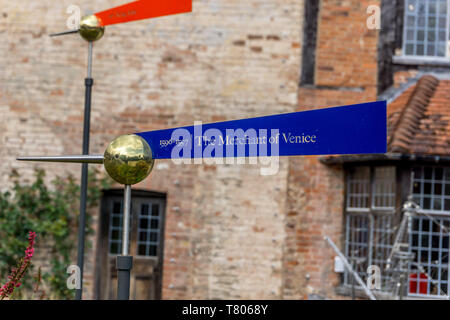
point(346, 73)
point(225, 226)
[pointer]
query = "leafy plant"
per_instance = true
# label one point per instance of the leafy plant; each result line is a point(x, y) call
point(52, 212)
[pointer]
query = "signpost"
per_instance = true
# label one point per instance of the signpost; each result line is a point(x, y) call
point(129, 159)
point(92, 28)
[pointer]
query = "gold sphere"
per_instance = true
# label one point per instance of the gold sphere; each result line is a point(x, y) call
point(91, 28)
point(128, 159)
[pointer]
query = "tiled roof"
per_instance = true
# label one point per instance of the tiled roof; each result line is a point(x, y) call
point(419, 119)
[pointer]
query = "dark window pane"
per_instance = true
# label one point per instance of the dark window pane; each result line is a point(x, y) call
point(153, 250)
point(143, 223)
point(425, 226)
point(415, 240)
point(437, 188)
point(438, 173)
point(427, 188)
point(447, 174)
point(154, 236)
point(155, 210)
point(435, 240)
point(116, 222)
point(115, 235)
point(154, 224)
point(114, 248)
point(437, 204)
point(142, 250)
point(142, 236)
point(428, 172)
point(417, 173)
point(410, 35)
point(426, 203)
point(447, 189)
point(445, 246)
point(416, 187)
point(431, 36)
point(447, 204)
point(117, 207)
point(144, 209)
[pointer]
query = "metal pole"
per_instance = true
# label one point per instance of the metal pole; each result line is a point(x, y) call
point(126, 220)
point(124, 263)
point(89, 82)
point(350, 269)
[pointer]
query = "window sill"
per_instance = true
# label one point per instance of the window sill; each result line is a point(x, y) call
point(421, 61)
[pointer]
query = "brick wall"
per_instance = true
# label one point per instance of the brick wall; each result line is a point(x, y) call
point(227, 60)
point(346, 73)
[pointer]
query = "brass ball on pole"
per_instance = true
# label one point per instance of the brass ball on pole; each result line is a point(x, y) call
point(91, 28)
point(128, 159)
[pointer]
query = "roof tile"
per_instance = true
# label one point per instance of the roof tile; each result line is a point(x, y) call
point(419, 119)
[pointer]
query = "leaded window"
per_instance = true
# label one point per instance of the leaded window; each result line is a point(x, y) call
point(370, 218)
point(426, 28)
point(371, 227)
point(149, 229)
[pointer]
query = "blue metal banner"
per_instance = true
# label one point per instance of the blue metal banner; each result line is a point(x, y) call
point(355, 129)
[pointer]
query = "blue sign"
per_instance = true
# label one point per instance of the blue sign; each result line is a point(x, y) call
point(355, 129)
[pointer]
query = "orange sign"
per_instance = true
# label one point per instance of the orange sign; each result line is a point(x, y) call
point(143, 9)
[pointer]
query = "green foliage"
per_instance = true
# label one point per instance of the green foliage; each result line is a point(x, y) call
point(53, 214)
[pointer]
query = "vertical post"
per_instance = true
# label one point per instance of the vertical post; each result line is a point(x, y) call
point(124, 263)
point(89, 82)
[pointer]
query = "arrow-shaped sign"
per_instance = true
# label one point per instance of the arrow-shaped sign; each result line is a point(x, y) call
point(143, 9)
point(356, 129)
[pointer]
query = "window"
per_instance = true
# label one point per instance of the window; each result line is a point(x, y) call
point(370, 218)
point(146, 243)
point(429, 241)
point(148, 229)
point(432, 189)
point(426, 28)
point(371, 223)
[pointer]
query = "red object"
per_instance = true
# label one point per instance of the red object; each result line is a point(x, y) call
point(143, 9)
point(422, 284)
